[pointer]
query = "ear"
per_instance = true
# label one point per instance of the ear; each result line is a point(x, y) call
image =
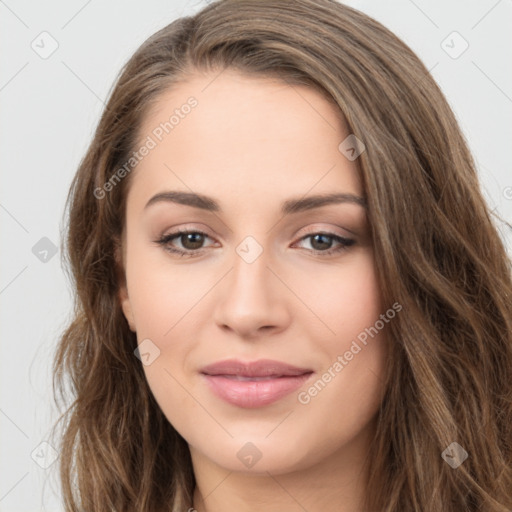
point(122, 293)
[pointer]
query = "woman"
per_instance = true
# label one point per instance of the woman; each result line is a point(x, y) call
point(289, 291)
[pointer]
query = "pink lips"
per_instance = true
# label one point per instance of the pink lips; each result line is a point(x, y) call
point(253, 384)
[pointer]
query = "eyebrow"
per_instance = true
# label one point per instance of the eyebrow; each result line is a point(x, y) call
point(290, 206)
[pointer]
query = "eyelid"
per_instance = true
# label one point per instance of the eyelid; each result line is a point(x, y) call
point(199, 228)
point(316, 228)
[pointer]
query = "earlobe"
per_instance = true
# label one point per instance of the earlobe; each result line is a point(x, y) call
point(126, 307)
point(124, 299)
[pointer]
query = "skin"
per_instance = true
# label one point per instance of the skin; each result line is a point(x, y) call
point(252, 143)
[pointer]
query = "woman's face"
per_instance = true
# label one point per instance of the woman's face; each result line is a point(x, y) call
point(274, 283)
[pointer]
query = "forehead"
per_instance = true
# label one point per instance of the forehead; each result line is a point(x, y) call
point(245, 138)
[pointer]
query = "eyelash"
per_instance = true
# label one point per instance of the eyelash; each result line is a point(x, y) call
point(165, 239)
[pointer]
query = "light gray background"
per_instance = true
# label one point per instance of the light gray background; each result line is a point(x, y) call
point(49, 109)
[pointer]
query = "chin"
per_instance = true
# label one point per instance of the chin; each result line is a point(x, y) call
point(261, 455)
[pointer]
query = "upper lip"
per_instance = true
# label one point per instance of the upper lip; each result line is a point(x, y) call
point(260, 368)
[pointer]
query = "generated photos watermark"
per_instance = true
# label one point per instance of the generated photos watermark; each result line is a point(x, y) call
point(304, 397)
point(150, 143)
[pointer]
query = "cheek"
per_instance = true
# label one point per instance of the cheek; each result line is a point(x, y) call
point(166, 301)
point(163, 292)
point(352, 340)
point(345, 299)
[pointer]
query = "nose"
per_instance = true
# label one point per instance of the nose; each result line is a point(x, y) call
point(252, 301)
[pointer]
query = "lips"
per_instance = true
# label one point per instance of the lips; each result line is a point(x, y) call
point(253, 384)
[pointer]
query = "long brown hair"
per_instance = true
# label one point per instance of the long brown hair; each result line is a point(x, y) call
point(437, 252)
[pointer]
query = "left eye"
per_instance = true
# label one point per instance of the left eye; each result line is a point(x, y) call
point(320, 240)
point(192, 241)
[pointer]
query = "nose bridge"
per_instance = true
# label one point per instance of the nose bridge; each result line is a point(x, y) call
point(250, 275)
point(250, 297)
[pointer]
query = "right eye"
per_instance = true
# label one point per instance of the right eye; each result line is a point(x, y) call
point(190, 240)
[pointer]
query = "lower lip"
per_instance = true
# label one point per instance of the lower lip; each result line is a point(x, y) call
point(254, 393)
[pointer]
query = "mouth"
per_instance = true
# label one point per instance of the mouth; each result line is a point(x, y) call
point(254, 384)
